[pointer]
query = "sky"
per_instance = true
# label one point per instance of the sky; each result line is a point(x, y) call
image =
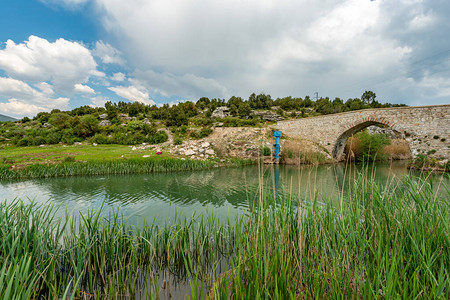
point(61, 54)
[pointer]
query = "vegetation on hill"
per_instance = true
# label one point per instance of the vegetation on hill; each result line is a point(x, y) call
point(135, 123)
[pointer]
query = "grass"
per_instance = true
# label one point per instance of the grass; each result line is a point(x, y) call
point(390, 241)
point(58, 161)
point(296, 152)
point(21, 157)
point(128, 166)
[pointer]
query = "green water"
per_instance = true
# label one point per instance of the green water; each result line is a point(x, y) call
point(224, 191)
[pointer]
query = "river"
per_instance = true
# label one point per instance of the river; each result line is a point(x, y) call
point(227, 192)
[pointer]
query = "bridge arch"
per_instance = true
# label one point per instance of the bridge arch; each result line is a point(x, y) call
point(339, 145)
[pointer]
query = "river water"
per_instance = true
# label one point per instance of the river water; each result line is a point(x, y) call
point(226, 192)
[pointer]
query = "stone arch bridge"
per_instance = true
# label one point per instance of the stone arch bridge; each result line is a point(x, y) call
point(425, 128)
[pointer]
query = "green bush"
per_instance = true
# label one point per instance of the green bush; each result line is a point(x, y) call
point(266, 151)
point(177, 141)
point(158, 138)
point(194, 135)
point(371, 145)
point(205, 131)
point(100, 139)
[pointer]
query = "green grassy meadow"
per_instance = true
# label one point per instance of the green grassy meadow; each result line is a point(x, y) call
point(24, 156)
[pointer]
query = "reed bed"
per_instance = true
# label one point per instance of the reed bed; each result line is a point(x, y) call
point(390, 241)
point(107, 167)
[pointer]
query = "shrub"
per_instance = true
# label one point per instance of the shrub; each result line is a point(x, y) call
point(100, 139)
point(205, 131)
point(266, 151)
point(158, 138)
point(177, 141)
point(194, 135)
point(371, 145)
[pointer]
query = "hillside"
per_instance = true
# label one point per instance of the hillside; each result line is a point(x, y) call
point(4, 118)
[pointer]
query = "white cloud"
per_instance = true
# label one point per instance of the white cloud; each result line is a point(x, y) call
point(23, 100)
point(98, 101)
point(22, 107)
point(188, 85)
point(108, 54)
point(10, 87)
point(133, 93)
point(17, 108)
point(83, 89)
point(63, 63)
point(119, 76)
point(45, 88)
point(292, 47)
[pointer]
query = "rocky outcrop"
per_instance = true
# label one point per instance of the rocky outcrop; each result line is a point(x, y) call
point(104, 123)
point(268, 116)
point(221, 112)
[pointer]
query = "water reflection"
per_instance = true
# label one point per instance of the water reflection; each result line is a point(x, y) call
point(227, 192)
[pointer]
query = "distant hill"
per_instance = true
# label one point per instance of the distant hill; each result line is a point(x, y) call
point(6, 118)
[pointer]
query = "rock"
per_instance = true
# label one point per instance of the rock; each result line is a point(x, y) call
point(388, 131)
point(94, 144)
point(209, 151)
point(104, 123)
point(133, 148)
point(220, 112)
point(189, 152)
point(103, 116)
point(146, 121)
point(268, 116)
point(47, 125)
point(201, 150)
point(205, 144)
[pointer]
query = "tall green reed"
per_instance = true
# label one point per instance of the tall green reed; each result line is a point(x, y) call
point(379, 241)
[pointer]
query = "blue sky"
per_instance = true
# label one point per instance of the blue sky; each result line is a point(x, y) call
point(66, 53)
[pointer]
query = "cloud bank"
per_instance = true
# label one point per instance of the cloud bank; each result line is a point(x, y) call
point(162, 51)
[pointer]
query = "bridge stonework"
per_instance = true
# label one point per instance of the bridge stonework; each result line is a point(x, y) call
point(425, 128)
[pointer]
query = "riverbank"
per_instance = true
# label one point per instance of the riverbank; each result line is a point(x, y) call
point(382, 241)
point(84, 159)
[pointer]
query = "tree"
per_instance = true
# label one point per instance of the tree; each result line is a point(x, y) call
point(244, 110)
point(368, 97)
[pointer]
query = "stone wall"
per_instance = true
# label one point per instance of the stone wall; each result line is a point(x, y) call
point(425, 128)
